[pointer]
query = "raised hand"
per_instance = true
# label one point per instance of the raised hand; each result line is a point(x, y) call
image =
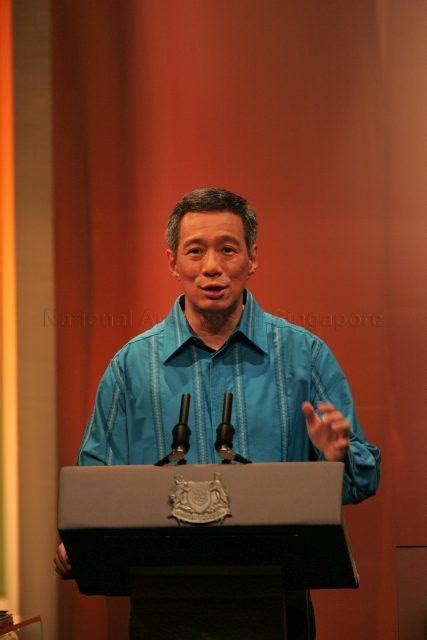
point(329, 433)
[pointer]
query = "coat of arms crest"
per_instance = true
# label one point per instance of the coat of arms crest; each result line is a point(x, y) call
point(202, 502)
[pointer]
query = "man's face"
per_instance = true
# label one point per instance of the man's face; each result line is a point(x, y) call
point(212, 261)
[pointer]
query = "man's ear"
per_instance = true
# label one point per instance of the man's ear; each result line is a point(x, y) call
point(172, 262)
point(253, 257)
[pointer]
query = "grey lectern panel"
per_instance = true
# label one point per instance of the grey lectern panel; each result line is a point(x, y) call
point(282, 514)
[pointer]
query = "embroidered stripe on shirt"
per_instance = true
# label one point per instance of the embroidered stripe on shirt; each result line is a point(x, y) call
point(177, 325)
point(316, 379)
point(242, 431)
point(111, 420)
point(155, 397)
point(200, 426)
point(281, 390)
point(319, 386)
point(251, 306)
point(118, 373)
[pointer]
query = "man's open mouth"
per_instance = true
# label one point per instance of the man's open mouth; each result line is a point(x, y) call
point(213, 287)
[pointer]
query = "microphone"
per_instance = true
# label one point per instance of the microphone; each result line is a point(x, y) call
point(225, 432)
point(180, 436)
point(181, 431)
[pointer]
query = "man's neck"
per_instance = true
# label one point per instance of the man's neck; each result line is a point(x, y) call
point(214, 328)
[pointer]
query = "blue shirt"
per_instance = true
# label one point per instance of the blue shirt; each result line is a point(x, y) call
point(270, 366)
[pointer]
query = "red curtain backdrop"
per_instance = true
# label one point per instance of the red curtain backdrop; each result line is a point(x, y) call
point(300, 107)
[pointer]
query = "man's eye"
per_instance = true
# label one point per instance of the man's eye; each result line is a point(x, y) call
point(194, 250)
point(229, 250)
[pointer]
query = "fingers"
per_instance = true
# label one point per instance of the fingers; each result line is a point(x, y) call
point(330, 417)
point(310, 414)
point(337, 423)
point(62, 564)
point(329, 433)
point(334, 419)
point(325, 406)
point(338, 432)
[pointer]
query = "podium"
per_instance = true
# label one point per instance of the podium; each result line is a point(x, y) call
point(130, 530)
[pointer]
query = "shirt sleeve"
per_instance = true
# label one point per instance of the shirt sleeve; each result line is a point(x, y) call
point(362, 464)
point(105, 441)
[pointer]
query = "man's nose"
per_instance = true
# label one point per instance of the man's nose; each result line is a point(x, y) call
point(212, 263)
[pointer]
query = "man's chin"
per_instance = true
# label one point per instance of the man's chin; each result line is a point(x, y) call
point(222, 305)
point(214, 306)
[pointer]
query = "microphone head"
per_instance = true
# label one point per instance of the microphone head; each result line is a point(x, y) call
point(185, 408)
point(227, 407)
point(225, 431)
point(181, 432)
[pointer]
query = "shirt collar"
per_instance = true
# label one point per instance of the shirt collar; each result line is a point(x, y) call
point(251, 327)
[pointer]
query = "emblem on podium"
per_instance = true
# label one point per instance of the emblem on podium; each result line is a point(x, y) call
point(203, 502)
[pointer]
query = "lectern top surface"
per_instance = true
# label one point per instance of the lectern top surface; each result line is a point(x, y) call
point(258, 494)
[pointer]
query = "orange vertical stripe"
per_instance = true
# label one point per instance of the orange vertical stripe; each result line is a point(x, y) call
point(8, 311)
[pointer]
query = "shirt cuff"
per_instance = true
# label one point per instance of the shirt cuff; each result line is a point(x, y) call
point(349, 464)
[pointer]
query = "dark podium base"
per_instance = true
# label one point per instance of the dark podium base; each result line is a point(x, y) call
point(216, 603)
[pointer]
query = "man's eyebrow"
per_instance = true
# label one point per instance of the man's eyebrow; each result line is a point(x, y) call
point(201, 239)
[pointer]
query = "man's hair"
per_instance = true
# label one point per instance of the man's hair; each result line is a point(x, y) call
point(211, 199)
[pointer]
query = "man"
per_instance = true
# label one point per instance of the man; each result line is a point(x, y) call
point(291, 399)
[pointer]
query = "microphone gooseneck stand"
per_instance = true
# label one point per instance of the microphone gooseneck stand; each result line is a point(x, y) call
point(225, 433)
point(180, 436)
